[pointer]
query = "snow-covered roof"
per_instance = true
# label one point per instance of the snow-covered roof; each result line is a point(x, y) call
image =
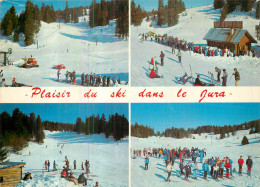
point(224, 35)
point(11, 164)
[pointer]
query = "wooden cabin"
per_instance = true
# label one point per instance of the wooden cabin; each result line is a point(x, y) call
point(11, 173)
point(231, 39)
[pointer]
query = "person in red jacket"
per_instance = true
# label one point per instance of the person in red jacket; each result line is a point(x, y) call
point(240, 164)
point(153, 74)
point(227, 165)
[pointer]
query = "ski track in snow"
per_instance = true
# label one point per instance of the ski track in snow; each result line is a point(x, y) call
point(191, 28)
point(108, 57)
point(108, 159)
point(231, 147)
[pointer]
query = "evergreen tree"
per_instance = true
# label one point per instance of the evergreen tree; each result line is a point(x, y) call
point(173, 12)
point(161, 19)
point(66, 13)
point(244, 141)
point(247, 5)
point(218, 4)
point(16, 35)
point(257, 13)
point(29, 27)
point(53, 15)
point(92, 14)
point(222, 134)
point(122, 26)
point(37, 19)
point(231, 5)
point(39, 130)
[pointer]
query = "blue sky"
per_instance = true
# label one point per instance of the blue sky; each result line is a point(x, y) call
point(67, 113)
point(20, 4)
point(153, 4)
point(191, 115)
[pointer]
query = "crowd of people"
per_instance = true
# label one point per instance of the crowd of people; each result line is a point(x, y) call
point(91, 79)
point(177, 44)
point(188, 163)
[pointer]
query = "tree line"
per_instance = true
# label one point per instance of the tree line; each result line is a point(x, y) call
point(28, 22)
point(101, 13)
point(229, 6)
point(166, 13)
point(224, 131)
point(18, 129)
point(116, 126)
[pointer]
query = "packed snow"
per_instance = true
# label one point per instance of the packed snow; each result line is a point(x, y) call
point(108, 159)
point(193, 25)
point(229, 147)
point(73, 45)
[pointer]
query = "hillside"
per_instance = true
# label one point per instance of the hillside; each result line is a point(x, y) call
point(108, 159)
point(215, 147)
point(73, 45)
point(192, 28)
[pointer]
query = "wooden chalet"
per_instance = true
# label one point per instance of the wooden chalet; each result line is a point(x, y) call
point(231, 39)
point(11, 173)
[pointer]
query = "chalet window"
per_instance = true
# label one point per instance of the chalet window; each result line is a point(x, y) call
point(1, 179)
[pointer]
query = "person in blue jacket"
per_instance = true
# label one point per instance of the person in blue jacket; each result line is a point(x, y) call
point(205, 168)
point(165, 158)
point(195, 170)
point(195, 156)
point(146, 161)
point(201, 156)
point(211, 163)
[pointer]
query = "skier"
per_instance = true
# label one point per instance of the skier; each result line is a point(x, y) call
point(162, 55)
point(54, 166)
point(27, 176)
point(215, 170)
point(240, 164)
point(237, 76)
point(172, 158)
point(104, 79)
point(153, 74)
point(48, 166)
point(179, 55)
point(221, 170)
point(82, 166)
point(198, 82)
point(67, 76)
point(108, 81)
point(82, 79)
point(169, 171)
point(227, 165)
point(225, 75)
point(194, 169)
point(82, 179)
point(205, 168)
point(187, 171)
point(74, 162)
point(146, 161)
point(3, 83)
point(249, 164)
point(58, 75)
point(87, 166)
point(218, 75)
point(74, 76)
point(181, 168)
point(201, 156)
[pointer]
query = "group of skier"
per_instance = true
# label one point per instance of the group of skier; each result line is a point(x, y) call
point(91, 79)
point(177, 44)
point(224, 77)
point(188, 163)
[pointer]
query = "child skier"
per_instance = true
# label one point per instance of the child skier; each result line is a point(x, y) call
point(194, 169)
point(146, 161)
point(240, 164)
point(205, 168)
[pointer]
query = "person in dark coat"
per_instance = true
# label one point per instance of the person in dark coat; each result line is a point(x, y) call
point(82, 179)
point(198, 82)
point(108, 81)
point(218, 75)
point(249, 164)
point(187, 169)
point(162, 58)
point(225, 75)
point(82, 79)
point(27, 176)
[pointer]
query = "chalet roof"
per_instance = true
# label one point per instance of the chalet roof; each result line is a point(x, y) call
point(224, 35)
point(11, 164)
